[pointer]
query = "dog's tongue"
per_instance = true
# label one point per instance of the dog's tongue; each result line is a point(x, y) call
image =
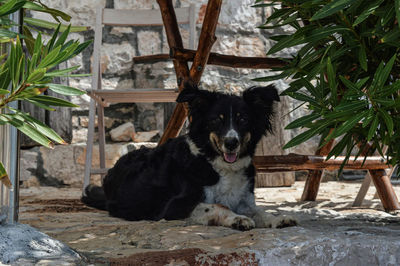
point(230, 157)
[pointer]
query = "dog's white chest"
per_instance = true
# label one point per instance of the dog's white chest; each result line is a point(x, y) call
point(232, 186)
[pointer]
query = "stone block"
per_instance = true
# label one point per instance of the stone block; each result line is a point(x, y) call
point(149, 42)
point(124, 132)
point(145, 136)
point(118, 57)
point(135, 4)
point(238, 15)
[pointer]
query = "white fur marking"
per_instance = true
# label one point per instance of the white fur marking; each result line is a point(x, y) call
point(192, 146)
point(232, 134)
point(232, 186)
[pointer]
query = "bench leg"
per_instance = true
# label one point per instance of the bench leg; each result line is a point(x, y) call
point(89, 144)
point(385, 190)
point(363, 190)
point(311, 187)
point(102, 138)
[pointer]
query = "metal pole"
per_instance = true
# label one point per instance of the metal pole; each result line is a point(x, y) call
point(14, 151)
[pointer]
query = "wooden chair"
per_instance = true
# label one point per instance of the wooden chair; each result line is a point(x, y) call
point(103, 98)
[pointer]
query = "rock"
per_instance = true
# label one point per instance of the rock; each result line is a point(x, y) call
point(145, 136)
point(118, 57)
point(21, 244)
point(148, 42)
point(124, 132)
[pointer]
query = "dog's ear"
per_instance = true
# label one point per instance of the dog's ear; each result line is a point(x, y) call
point(193, 96)
point(188, 94)
point(261, 97)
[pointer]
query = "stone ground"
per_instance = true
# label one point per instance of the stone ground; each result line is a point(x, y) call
point(330, 231)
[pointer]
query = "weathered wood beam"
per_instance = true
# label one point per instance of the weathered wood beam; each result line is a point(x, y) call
point(295, 162)
point(229, 60)
point(214, 59)
point(385, 190)
point(313, 180)
point(206, 40)
point(151, 58)
point(174, 39)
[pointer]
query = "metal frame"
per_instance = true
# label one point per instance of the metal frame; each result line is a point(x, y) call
point(9, 155)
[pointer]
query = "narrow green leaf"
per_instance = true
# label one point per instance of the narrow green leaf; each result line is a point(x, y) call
point(368, 11)
point(332, 80)
point(306, 135)
point(302, 121)
point(348, 125)
point(362, 58)
point(372, 129)
point(10, 7)
point(65, 90)
point(50, 57)
point(4, 176)
point(61, 40)
point(38, 45)
point(303, 97)
point(49, 25)
point(40, 105)
point(39, 126)
point(3, 92)
point(49, 45)
point(331, 8)
point(36, 75)
point(397, 8)
point(368, 118)
point(29, 131)
point(7, 34)
point(61, 72)
point(339, 147)
point(388, 121)
point(53, 101)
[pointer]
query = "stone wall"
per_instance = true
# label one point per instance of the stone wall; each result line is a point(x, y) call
point(236, 35)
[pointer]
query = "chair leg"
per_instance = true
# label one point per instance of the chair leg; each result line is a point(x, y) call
point(102, 140)
point(89, 145)
point(385, 190)
point(311, 187)
point(363, 190)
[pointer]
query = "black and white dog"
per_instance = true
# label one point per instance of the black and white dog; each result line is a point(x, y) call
point(206, 175)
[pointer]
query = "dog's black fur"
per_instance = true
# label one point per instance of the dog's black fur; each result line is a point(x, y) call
point(168, 181)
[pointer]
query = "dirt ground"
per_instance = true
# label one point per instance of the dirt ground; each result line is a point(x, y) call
point(59, 213)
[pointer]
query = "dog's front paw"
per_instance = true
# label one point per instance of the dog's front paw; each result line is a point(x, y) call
point(282, 221)
point(242, 223)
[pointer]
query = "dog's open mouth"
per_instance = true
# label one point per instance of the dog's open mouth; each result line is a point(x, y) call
point(230, 157)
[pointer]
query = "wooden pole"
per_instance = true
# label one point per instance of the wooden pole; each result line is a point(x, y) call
point(313, 180)
point(214, 59)
point(229, 60)
point(385, 190)
point(206, 40)
point(174, 39)
point(295, 162)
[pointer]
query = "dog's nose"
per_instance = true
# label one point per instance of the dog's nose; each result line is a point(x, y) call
point(231, 143)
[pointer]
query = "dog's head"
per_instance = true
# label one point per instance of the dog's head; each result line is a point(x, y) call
point(227, 125)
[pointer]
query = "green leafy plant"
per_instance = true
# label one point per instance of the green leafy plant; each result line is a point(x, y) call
point(346, 71)
point(26, 76)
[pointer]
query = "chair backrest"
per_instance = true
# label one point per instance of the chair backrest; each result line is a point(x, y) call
point(134, 17)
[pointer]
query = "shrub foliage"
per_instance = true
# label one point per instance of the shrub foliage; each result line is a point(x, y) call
point(346, 70)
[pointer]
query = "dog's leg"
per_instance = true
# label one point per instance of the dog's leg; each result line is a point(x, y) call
point(216, 214)
point(261, 218)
